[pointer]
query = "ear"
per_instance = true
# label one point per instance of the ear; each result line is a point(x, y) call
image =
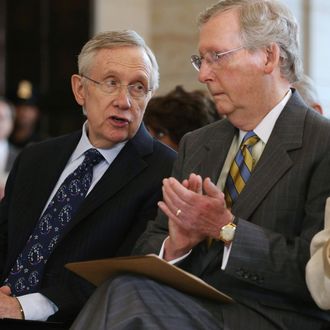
point(78, 89)
point(272, 58)
point(317, 107)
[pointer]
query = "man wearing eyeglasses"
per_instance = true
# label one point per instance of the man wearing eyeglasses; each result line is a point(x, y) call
point(247, 193)
point(86, 195)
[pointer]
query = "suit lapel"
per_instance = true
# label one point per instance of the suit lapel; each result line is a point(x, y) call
point(39, 185)
point(127, 165)
point(275, 161)
point(216, 150)
point(50, 170)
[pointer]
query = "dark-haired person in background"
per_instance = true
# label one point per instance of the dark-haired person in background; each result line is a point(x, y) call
point(28, 116)
point(170, 117)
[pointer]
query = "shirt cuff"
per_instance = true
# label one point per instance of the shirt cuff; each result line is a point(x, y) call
point(37, 307)
point(174, 261)
point(225, 257)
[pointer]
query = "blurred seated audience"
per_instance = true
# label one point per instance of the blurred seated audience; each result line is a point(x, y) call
point(27, 122)
point(171, 116)
point(318, 267)
point(8, 152)
point(306, 89)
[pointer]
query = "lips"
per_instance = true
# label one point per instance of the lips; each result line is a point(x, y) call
point(119, 121)
point(217, 94)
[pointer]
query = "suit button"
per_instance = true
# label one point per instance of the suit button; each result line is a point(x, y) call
point(246, 275)
point(255, 278)
point(240, 272)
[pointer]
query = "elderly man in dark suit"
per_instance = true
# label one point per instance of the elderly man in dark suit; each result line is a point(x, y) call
point(45, 219)
point(247, 193)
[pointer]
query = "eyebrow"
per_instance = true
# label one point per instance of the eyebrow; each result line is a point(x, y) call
point(138, 77)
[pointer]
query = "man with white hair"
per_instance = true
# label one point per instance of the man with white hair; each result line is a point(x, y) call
point(84, 195)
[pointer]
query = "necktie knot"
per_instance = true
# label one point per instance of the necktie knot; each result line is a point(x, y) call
point(92, 157)
point(249, 140)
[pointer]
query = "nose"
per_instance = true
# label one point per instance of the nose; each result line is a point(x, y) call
point(205, 73)
point(123, 98)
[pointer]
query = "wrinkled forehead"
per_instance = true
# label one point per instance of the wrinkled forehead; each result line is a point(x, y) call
point(122, 60)
point(221, 32)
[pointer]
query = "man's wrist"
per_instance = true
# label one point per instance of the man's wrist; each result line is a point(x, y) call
point(227, 232)
point(21, 309)
point(170, 252)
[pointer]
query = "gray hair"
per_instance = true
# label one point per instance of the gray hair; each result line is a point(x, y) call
point(116, 39)
point(262, 23)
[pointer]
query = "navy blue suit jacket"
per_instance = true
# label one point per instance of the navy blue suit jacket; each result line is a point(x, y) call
point(108, 223)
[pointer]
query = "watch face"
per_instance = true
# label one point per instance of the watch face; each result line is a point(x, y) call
point(227, 232)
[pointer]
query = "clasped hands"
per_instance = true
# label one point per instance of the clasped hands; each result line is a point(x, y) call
point(196, 210)
point(9, 306)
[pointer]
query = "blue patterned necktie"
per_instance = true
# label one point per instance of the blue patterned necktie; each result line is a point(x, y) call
point(241, 169)
point(27, 272)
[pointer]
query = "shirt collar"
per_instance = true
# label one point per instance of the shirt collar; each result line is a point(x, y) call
point(265, 127)
point(84, 144)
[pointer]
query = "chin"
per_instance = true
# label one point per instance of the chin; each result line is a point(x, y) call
point(223, 110)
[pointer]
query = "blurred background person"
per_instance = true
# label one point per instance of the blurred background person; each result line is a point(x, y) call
point(8, 152)
point(27, 121)
point(171, 116)
point(306, 89)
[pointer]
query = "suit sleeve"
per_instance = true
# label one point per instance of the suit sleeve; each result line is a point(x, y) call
point(157, 230)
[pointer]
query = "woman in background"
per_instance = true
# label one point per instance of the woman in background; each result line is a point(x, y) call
point(171, 116)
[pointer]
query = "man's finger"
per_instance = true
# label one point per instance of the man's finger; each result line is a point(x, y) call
point(211, 189)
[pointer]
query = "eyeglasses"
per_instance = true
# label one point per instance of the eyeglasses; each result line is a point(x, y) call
point(211, 58)
point(112, 87)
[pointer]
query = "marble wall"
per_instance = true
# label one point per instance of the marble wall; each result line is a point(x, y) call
point(169, 27)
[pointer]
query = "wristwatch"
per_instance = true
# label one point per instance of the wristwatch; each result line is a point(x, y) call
point(227, 233)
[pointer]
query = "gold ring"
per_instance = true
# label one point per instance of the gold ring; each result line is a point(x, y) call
point(178, 212)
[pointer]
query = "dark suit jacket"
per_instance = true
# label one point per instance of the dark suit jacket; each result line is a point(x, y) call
point(277, 213)
point(108, 223)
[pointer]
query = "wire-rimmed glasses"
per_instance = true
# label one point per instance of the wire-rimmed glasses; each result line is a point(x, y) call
point(211, 58)
point(112, 86)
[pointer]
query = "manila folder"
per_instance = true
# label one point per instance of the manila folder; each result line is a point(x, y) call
point(98, 271)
